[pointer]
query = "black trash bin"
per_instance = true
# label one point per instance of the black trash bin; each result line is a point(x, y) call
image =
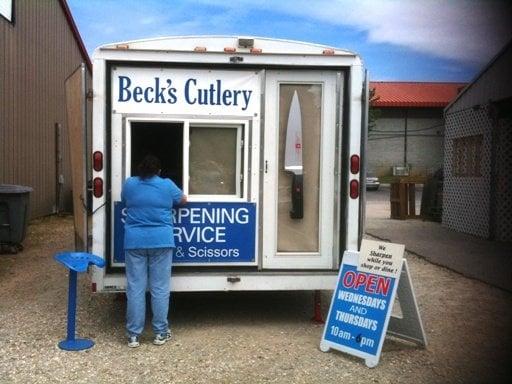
point(14, 201)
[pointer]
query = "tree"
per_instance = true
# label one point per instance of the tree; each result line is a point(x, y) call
point(373, 113)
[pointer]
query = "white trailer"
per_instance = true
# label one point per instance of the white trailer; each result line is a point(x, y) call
point(264, 136)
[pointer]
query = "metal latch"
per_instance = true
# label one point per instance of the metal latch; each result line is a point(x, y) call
point(233, 279)
point(236, 59)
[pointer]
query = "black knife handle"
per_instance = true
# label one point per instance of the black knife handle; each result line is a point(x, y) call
point(297, 211)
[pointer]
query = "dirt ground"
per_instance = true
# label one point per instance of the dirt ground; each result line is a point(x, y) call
point(264, 337)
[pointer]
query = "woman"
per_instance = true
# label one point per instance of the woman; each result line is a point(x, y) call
point(148, 243)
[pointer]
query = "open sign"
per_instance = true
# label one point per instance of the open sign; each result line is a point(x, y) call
point(371, 283)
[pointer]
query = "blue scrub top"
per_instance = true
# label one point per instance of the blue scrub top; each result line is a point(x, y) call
point(148, 205)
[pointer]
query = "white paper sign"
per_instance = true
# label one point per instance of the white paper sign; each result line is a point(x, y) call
point(6, 9)
point(381, 258)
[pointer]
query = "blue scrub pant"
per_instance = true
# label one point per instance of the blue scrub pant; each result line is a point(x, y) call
point(148, 266)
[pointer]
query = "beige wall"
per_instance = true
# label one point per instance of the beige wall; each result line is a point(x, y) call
point(37, 53)
point(425, 127)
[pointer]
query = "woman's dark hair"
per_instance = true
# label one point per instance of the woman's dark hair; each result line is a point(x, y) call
point(149, 167)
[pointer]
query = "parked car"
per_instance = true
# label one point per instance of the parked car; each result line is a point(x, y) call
point(372, 182)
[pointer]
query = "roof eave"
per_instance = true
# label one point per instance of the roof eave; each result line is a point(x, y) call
point(76, 33)
point(409, 105)
point(480, 74)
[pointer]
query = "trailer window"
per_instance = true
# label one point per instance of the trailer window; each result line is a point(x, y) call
point(215, 160)
point(211, 167)
point(300, 235)
point(163, 140)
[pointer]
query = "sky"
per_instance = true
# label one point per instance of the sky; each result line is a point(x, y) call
point(398, 40)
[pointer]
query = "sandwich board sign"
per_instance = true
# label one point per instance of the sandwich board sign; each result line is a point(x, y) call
point(362, 303)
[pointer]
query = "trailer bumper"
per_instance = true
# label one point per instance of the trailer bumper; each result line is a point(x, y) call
point(235, 281)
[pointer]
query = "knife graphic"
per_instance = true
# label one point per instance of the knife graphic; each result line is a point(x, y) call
point(293, 157)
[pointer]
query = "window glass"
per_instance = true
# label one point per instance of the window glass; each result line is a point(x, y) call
point(300, 235)
point(213, 160)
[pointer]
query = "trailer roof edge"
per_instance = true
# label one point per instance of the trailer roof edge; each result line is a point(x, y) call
point(219, 43)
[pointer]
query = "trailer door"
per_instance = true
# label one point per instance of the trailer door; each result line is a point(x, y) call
point(76, 107)
point(306, 240)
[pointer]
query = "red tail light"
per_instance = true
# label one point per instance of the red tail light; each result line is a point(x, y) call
point(354, 189)
point(97, 161)
point(229, 49)
point(354, 164)
point(97, 187)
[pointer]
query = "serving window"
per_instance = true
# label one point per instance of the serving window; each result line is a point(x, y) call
point(208, 160)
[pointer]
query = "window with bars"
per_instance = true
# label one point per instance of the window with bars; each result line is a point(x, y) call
point(467, 153)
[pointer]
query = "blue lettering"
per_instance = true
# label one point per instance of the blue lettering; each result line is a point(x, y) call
point(247, 97)
point(211, 93)
point(137, 94)
point(171, 92)
point(187, 91)
point(235, 95)
point(226, 96)
point(203, 96)
point(159, 92)
point(146, 95)
point(124, 84)
point(214, 94)
point(218, 91)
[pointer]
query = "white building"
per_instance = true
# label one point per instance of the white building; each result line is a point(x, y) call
point(478, 154)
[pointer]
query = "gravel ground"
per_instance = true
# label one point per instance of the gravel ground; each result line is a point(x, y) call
point(264, 337)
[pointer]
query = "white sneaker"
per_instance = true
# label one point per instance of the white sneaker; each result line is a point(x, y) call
point(133, 341)
point(162, 338)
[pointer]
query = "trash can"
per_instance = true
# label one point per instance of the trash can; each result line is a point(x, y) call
point(14, 200)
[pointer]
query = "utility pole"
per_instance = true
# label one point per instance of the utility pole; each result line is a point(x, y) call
point(405, 138)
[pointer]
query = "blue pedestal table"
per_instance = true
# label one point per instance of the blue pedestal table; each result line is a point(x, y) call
point(76, 262)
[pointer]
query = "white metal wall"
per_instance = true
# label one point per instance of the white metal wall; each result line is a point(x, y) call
point(467, 200)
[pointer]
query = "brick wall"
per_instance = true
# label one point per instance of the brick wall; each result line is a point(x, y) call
point(425, 129)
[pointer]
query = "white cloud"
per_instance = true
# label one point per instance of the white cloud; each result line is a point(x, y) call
point(467, 30)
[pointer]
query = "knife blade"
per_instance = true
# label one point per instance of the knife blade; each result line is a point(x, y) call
point(293, 157)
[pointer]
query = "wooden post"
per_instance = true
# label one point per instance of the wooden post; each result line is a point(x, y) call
point(58, 168)
point(412, 199)
point(403, 201)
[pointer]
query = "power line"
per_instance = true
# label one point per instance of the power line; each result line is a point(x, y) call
point(383, 137)
point(409, 130)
